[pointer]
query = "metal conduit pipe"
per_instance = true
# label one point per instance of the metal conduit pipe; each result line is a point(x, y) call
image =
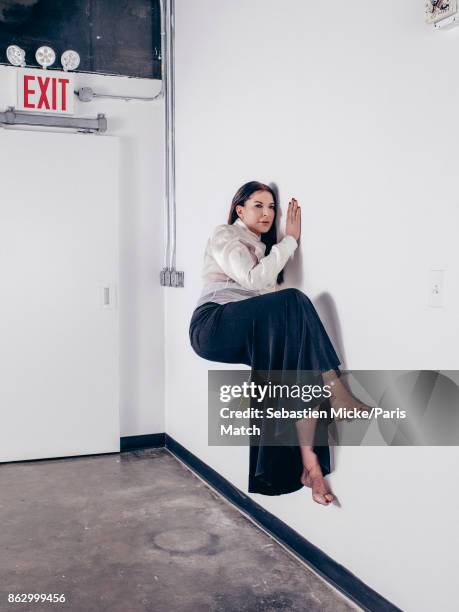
point(87, 94)
point(169, 276)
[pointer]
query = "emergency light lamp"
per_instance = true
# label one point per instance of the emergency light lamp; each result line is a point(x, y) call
point(70, 60)
point(15, 55)
point(45, 56)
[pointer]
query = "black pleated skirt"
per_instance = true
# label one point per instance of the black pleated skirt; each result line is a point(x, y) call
point(275, 331)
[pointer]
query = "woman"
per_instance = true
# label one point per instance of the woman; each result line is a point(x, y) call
point(241, 318)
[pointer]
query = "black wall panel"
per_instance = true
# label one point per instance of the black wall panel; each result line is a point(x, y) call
point(112, 36)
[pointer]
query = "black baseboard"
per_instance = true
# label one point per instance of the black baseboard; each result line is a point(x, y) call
point(334, 573)
point(130, 443)
point(127, 443)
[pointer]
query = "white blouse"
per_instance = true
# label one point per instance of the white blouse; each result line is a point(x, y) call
point(235, 267)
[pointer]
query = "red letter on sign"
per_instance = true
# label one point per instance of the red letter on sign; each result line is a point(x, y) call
point(43, 87)
point(54, 86)
point(27, 91)
point(63, 93)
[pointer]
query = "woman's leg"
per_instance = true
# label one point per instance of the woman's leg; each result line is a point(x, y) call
point(312, 475)
point(307, 348)
point(275, 331)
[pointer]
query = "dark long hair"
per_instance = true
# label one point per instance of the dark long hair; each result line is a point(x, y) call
point(240, 197)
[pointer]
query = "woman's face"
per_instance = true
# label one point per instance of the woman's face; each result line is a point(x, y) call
point(258, 212)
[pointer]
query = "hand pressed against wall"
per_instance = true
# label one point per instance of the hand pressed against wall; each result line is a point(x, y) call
point(293, 223)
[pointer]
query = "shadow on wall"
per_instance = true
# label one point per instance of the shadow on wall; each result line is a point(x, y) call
point(326, 307)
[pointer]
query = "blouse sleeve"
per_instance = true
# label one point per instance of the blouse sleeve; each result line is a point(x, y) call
point(237, 261)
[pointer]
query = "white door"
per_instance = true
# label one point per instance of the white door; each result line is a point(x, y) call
point(58, 282)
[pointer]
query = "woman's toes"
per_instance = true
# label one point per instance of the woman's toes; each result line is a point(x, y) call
point(312, 477)
point(320, 499)
point(323, 498)
point(320, 492)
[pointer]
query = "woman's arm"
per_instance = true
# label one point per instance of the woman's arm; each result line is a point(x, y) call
point(236, 260)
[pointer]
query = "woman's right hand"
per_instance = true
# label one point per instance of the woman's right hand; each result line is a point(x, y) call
point(293, 223)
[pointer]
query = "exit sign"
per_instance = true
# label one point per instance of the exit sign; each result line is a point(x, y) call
point(45, 91)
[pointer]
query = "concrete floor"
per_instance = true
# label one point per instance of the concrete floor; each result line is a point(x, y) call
point(139, 532)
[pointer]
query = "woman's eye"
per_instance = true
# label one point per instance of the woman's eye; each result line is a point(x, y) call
point(272, 206)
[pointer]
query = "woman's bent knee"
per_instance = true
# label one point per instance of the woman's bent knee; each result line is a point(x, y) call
point(295, 294)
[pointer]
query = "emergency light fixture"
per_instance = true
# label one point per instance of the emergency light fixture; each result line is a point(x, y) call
point(70, 60)
point(15, 55)
point(45, 56)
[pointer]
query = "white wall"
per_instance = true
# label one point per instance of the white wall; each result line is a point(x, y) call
point(140, 127)
point(350, 108)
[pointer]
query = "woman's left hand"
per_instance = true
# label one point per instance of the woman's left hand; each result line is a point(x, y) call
point(293, 223)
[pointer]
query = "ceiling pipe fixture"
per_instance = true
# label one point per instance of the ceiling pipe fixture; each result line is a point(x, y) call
point(87, 94)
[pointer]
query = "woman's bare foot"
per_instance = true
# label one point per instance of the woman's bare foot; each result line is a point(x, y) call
point(341, 397)
point(312, 477)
